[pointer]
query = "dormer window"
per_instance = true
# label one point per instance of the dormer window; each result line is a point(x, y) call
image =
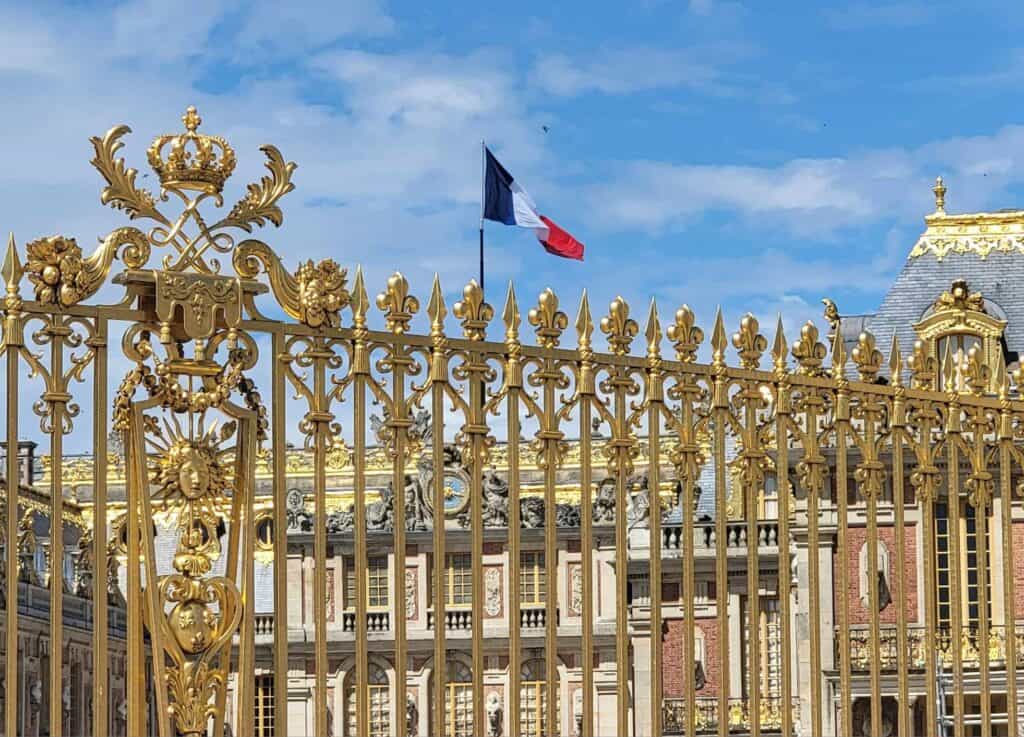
point(960, 321)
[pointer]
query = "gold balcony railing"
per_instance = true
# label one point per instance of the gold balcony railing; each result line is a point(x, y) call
point(737, 717)
point(969, 644)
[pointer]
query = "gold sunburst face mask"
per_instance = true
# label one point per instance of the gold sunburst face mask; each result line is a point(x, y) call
point(192, 472)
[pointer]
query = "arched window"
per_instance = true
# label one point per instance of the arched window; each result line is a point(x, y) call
point(379, 721)
point(533, 701)
point(458, 718)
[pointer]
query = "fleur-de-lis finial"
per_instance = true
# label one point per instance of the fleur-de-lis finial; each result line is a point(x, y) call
point(397, 304)
point(191, 119)
point(12, 273)
point(686, 337)
point(360, 300)
point(922, 366)
point(940, 196)
point(437, 311)
point(977, 373)
point(749, 343)
point(867, 357)
point(653, 334)
point(473, 312)
point(719, 342)
point(809, 351)
point(895, 363)
point(547, 319)
point(779, 350)
point(619, 327)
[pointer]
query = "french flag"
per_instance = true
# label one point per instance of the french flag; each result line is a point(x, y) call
point(507, 202)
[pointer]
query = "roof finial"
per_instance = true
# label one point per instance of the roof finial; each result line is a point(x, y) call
point(940, 196)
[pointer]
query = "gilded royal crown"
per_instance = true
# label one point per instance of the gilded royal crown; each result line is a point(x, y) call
point(193, 160)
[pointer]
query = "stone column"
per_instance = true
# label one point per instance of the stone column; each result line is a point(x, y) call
point(826, 619)
point(642, 677)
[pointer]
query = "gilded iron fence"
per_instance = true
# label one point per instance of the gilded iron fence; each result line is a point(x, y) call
point(193, 428)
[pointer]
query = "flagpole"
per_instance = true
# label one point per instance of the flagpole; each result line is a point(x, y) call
point(483, 200)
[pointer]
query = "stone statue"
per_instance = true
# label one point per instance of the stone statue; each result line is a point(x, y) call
point(412, 716)
point(495, 490)
point(531, 512)
point(35, 698)
point(298, 518)
point(114, 595)
point(494, 715)
point(27, 546)
point(604, 502)
point(84, 566)
point(567, 515)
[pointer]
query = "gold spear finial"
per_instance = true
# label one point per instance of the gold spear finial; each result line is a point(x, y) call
point(436, 310)
point(940, 196)
point(584, 323)
point(779, 349)
point(895, 363)
point(511, 316)
point(12, 271)
point(653, 333)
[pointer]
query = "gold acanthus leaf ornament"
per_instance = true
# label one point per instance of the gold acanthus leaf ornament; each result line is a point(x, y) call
point(314, 295)
point(61, 276)
point(121, 192)
point(260, 202)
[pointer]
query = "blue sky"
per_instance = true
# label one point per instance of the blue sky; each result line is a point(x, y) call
point(757, 155)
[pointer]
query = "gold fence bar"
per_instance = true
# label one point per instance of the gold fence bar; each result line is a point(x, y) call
point(782, 422)
point(720, 410)
point(100, 635)
point(842, 413)
point(478, 427)
point(245, 488)
point(135, 683)
point(552, 437)
point(953, 429)
point(874, 621)
point(585, 386)
point(897, 425)
point(278, 418)
point(812, 470)
point(360, 369)
point(319, 418)
point(690, 469)
point(57, 400)
point(438, 384)
point(753, 486)
point(513, 551)
point(926, 490)
point(981, 488)
point(12, 347)
point(400, 421)
point(1005, 439)
point(621, 435)
point(655, 397)
point(143, 534)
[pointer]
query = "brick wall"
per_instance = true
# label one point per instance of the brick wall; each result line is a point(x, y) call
point(673, 677)
point(907, 580)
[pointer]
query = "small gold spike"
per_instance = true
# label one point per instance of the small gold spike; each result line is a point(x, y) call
point(838, 357)
point(360, 300)
point(510, 315)
point(547, 319)
point(473, 312)
point(584, 323)
point(719, 341)
point(436, 310)
point(948, 369)
point(895, 363)
point(780, 349)
point(653, 332)
point(12, 271)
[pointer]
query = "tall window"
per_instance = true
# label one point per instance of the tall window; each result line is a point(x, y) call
point(264, 720)
point(942, 564)
point(768, 671)
point(532, 580)
point(376, 582)
point(959, 344)
point(973, 589)
point(458, 719)
point(379, 718)
point(533, 701)
point(968, 564)
point(458, 580)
